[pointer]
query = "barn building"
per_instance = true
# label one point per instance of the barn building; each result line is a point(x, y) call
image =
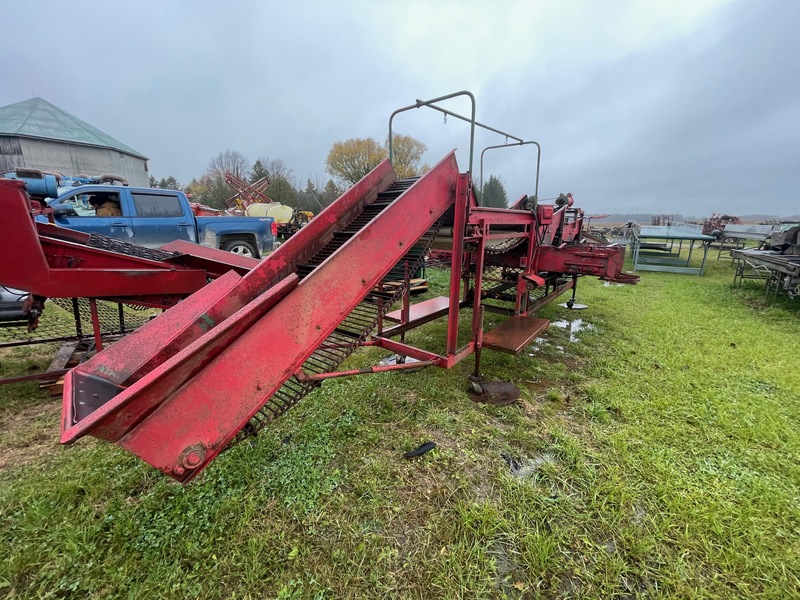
point(37, 135)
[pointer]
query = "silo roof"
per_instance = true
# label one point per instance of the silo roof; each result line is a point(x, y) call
point(37, 118)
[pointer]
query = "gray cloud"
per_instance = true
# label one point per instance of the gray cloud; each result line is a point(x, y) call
point(640, 107)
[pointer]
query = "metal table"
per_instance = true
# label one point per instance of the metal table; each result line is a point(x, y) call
point(736, 237)
point(781, 272)
point(654, 248)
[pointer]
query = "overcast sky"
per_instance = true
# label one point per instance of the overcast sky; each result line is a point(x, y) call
point(676, 106)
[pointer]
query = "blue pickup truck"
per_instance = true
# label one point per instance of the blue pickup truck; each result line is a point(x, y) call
point(153, 217)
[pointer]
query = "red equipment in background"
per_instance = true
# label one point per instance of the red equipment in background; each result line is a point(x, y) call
point(53, 262)
point(246, 193)
point(176, 392)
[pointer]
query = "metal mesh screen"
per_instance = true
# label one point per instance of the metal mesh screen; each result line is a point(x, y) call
point(67, 319)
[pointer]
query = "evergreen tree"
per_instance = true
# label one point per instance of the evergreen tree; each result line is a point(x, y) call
point(168, 183)
point(330, 193)
point(494, 193)
point(259, 171)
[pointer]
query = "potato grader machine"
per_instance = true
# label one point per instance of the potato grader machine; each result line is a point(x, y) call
point(176, 391)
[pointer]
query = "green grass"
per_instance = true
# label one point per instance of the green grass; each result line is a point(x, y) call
point(655, 457)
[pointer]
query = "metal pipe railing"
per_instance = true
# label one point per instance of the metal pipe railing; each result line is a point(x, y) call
point(421, 103)
point(520, 143)
point(473, 123)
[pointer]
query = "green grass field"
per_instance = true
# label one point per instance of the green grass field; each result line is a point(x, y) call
point(655, 453)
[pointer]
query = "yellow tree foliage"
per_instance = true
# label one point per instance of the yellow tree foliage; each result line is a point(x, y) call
point(407, 155)
point(350, 160)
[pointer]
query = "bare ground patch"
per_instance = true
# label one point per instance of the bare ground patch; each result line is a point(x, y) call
point(28, 434)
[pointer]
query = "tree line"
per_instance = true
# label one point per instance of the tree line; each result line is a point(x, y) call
point(346, 163)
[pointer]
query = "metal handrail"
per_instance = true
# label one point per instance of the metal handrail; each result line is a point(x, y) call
point(473, 123)
point(421, 103)
point(520, 143)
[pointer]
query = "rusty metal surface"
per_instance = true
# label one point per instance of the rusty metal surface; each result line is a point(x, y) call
point(605, 262)
point(420, 310)
point(225, 390)
point(514, 334)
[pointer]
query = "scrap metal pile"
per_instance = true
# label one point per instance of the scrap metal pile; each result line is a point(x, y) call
point(176, 392)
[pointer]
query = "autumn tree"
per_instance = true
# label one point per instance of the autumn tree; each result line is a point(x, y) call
point(230, 161)
point(277, 169)
point(210, 190)
point(407, 156)
point(281, 187)
point(351, 160)
point(493, 193)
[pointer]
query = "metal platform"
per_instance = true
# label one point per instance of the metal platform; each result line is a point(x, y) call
point(515, 334)
point(435, 307)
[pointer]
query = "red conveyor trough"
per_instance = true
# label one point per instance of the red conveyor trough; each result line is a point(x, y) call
point(182, 388)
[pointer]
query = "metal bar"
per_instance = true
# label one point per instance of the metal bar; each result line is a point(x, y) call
point(520, 143)
point(460, 355)
point(76, 313)
point(406, 311)
point(429, 103)
point(459, 222)
point(45, 375)
point(407, 350)
point(706, 247)
point(98, 337)
point(305, 377)
point(478, 342)
point(477, 308)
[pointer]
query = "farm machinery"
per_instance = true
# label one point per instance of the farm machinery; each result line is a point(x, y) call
point(177, 393)
point(251, 200)
point(54, 262)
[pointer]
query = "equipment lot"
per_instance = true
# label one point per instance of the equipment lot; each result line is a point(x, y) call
point(657, 454)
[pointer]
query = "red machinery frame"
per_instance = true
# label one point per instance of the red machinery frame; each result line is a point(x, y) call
point(176, 392)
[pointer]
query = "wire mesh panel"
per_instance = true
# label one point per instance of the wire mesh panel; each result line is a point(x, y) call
point(67, 319)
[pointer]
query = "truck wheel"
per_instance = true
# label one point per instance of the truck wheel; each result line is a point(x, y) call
point(241, 247)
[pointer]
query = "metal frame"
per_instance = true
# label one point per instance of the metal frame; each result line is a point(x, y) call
point(780, 272)
point(177, 393)
point(520, 143)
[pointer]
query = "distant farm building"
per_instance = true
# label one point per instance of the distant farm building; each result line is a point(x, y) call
point(37, 135)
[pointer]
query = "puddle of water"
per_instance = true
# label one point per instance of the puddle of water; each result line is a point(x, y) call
point(540, 344)
point(536, 346)
point(575, 326)
point(397, 359)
